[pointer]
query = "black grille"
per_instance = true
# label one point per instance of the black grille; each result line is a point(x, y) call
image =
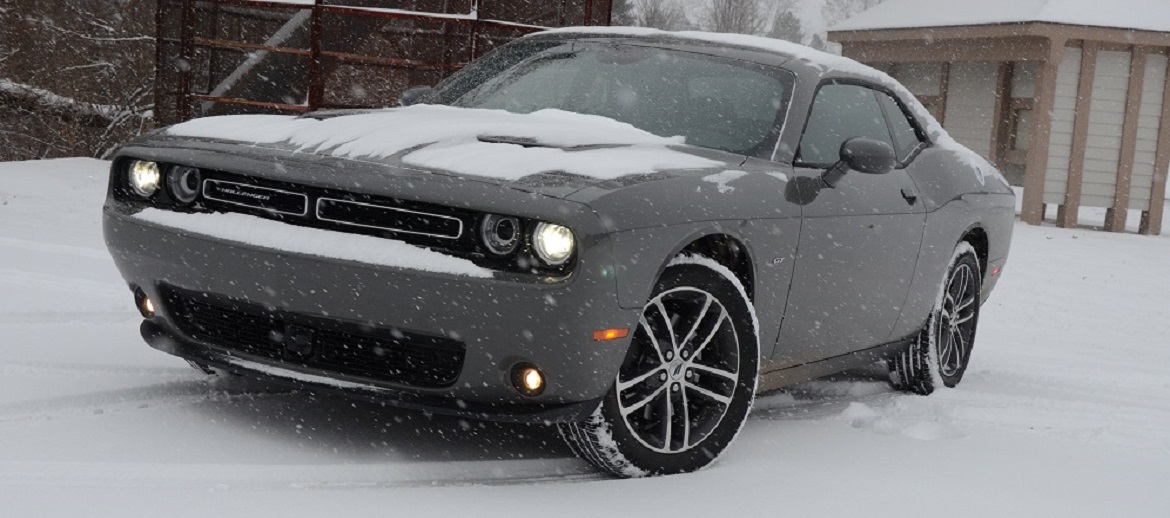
point(385, 355)
point(419, 223)
point(392, 219)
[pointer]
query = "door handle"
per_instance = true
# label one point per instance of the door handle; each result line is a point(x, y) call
point(909, 196)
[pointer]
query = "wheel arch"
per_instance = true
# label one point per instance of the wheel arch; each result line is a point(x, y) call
point(726, 250)
point(641, 256)
point(977, 237)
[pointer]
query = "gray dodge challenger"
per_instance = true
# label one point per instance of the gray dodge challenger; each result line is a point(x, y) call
point(624, 233)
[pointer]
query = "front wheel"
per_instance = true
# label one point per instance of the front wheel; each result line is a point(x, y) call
point(942, 350)
point(688, 380)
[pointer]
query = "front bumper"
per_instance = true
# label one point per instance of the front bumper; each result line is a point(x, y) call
point(501, 321)
point(160, 338)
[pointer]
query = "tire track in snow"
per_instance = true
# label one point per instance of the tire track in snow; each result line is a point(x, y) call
point(71, 285)
point(167, 394)
point(54, 248)
point(324, 477)
point(111, 317)
point(70, 369)
point(1134, 424)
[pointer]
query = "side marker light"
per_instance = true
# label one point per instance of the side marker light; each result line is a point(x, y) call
point(603, 335)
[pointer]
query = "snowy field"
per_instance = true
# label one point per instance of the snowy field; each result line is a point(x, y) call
point(1065, 410)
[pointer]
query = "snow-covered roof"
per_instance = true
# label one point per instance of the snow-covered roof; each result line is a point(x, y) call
point(1148, 15)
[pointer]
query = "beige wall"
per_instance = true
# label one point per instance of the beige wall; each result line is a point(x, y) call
point(970, 110)
point(1063, 115)
point(1149, 122)
point(1106, 117)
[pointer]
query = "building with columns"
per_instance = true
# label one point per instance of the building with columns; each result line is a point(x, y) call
point(1069, 98)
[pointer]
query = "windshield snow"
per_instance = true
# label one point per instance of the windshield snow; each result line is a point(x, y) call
point(713, 102)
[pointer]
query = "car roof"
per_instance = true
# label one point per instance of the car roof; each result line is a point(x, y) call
point(767, 51)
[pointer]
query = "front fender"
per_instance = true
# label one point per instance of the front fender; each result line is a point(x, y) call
point(641, 255)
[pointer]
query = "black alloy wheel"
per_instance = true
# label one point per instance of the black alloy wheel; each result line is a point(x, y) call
point(687, 383)
point(942, 349)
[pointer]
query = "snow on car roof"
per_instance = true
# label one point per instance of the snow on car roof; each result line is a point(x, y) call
point(814, 57)
point(1150, 15)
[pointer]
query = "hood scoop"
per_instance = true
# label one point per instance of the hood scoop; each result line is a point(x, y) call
point(530, 142)
point(519, 141)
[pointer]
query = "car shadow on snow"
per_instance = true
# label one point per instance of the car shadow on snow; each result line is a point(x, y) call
point(365, 432)
point(824, 397)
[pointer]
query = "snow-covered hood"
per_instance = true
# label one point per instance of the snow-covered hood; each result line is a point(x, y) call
point(491, 144)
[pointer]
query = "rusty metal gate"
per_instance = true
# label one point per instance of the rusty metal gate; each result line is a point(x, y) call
point(218, 57)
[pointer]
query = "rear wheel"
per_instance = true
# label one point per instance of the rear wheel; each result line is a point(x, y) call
point(688, 380)
point(940, 354)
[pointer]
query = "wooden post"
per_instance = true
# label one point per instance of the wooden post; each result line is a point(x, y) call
point(1000, 133)
point(943, 87)
point(1066, 215)
point(1115, 217)
point(1152, 219)
point(185, 62)
point(316, 74)
point(160, 85)
point(1037, 166)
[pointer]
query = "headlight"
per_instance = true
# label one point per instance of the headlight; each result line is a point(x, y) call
point(144, 177)
point(183, 183)
point(553, 243)
point(500, 234)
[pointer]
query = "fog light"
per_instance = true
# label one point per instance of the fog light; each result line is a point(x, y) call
point(144, 304)
point(183, 184)
point(528, 379)
point(500, 234)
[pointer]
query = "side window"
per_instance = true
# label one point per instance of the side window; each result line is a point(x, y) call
point(840, 112)
point(905, 138)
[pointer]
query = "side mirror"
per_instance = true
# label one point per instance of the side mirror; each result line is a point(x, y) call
point(415, 95)
point(864, 156)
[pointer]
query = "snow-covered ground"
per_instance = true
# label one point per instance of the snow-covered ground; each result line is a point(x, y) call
point(1065, 410)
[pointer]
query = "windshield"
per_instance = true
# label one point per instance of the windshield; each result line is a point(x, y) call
point(714, 102)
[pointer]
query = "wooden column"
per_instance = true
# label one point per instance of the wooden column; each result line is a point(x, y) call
point(1066, 215)
point(316, 94)
point(1001, 138)
point(1037, 166)
point(1115, 217)
point(186, 61)
point(943, 86)
point(1152, 219)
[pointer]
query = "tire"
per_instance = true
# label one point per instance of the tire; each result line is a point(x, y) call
point(942, 350)
point(698, 372)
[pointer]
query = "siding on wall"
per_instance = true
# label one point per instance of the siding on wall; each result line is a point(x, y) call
point(1024, 80)
point(1106, 118)
point(920, 78)
point(1149, 122)
point(970, 110)
point(1064, 109)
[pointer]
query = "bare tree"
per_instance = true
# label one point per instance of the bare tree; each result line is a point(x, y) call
point(661, 14)
point(622, 13)
point(739, 16)
point(786, 26)
point(75, 77)
point(836, 11)
point(818, 43)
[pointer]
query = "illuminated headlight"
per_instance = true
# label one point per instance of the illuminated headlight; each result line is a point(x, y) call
point(144, 177)
point(554, 244)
